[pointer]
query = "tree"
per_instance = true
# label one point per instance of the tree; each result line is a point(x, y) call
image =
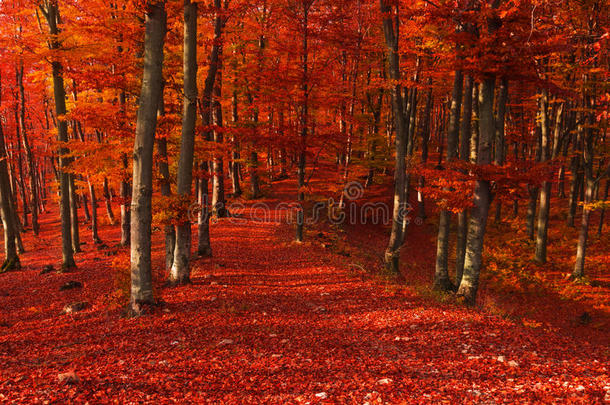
point(180, 271)
point(141, 212)
point(51, 12)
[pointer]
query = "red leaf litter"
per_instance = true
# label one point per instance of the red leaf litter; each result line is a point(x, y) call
point(269, 321)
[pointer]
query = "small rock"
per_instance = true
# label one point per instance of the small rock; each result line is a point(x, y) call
point(68, 378)
point(513, 363)
point(321, 395)
point(70, 285)
point(174, 343)
point(47, 269)
point(580, 388)
point(225, 342)
point(500, 359)
point(385, 381)
point(74, 307)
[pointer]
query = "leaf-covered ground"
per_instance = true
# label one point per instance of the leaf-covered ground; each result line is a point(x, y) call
point(270, 321)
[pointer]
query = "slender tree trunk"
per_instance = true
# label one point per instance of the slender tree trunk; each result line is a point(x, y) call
point(465, 133)
point(85, 204)
point(390, 27)
point(235, 164)
point(141, 210)
point(500, 144)
point(29, 158)
point(19, 181)
point(304, 127)
point(545, 190)
point(108, 202)
point(11, 258)
point(74, 231)
point(94, 231)
point(218, 183)
point(442, 282)
point(52, 15)
point(166, 191)
point(602, 214)
point(204, 248)
point(482, 197)
point(125, 211)
point(181, 271)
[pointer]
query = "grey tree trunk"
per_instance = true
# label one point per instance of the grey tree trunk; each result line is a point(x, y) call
point(442, 282)
point(500, 143)
point(29, 158)
point(235, 164)
point(204, 248)
point(588, 143)
point(141, 210)
point(166, 190)
point(108, 202)
point(11, 258)
point(51, 14)
point(94, 232)
point(545, 190)
point(390, 30)
point(74, 231)
point(465, 132)
point(304, 125)
point(181, 271)
point(469, 284)
point(218, 184)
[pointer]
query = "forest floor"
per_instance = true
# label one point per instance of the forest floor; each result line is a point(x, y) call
point(269, 320)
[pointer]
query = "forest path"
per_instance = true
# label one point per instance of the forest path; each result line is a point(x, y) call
point(268, 320)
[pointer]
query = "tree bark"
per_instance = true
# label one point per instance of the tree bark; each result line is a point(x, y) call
point(442, 282)
point(545, 190)
point(469, 284)
point(181, 271)
point(141, 210)
point(51, 13)
point(29, 157)
point(390, 28)
point(11, 258)
point(166, 190)
point(465, 133)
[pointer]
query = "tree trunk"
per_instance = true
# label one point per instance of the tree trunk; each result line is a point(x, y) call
point(52, 15)
point(465, 133)
point(74, 231)
point(442, 281)
point(181, 271)
point(108, 202)
point(602, 214)
point(469, 284)
point(29, 158)
point(141, 210)
point(545, 190)
point(94, 233)
point(500, 144)
point(166, 190)
point(11, 258)
point(218, 184)
point(235, 164)
point(390, 27)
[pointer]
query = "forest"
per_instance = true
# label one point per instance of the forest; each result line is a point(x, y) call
point(305, 201)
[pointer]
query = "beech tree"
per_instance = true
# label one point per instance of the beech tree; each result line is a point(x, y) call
point(141, 210)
